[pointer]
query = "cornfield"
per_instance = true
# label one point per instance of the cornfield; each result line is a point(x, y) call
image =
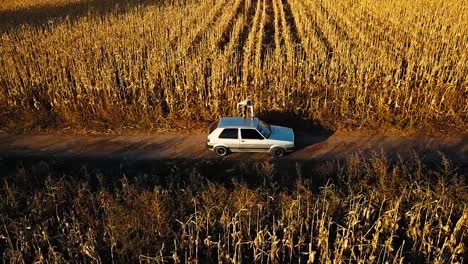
point(368, 64)
point(354, 211)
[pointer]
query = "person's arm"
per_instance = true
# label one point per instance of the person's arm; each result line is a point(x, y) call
point(241, 104)
point(251, 111)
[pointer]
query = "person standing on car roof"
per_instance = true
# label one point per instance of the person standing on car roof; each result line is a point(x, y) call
point(244, 105)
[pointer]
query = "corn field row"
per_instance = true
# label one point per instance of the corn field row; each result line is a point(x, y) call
point(350, 64)
point(369, 211)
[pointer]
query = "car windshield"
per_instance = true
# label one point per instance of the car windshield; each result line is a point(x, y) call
point(264, 128)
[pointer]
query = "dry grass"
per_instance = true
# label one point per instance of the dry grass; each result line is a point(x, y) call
point(364, 64)
point(10, 5)
point(359, 215)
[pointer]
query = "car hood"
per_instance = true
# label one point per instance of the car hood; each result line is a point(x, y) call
point(282, 133)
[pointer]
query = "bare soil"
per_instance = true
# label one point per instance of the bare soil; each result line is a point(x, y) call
point(178, 146)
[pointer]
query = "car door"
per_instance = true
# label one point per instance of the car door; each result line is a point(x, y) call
point(230, 138)
point(252, 140)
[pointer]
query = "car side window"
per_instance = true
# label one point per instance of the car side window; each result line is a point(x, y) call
point(231, 133)
point(250, 134)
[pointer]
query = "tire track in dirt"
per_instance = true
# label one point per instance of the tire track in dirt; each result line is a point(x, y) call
point(192, 147)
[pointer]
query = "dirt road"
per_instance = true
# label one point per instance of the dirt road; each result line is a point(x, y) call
point(160, 147)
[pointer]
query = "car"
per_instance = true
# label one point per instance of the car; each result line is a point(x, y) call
point(238, 134)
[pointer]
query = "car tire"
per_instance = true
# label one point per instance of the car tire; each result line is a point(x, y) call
point(277, 152)
point(221, 151)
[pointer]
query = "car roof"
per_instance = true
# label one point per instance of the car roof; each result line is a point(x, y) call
point(238, 122)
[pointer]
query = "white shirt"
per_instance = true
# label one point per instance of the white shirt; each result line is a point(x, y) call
point(247, 103)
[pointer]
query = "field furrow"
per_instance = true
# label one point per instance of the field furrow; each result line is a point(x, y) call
point(269, 32)
point(318, 33)
point(213, 16)
point(279, 47)
point(227, 25)
point(346, 45)
point(286, 33)
point(260, 50)
point(332, 19)
point(248, 49)
point(179, 26)
point(293, 28)
point(373, 36)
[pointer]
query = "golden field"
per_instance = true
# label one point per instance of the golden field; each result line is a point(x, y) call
point(151, 64)
point(10, 5)
point(143, 64)
point(358, 210)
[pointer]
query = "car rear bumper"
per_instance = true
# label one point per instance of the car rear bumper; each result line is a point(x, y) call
point(208, 146)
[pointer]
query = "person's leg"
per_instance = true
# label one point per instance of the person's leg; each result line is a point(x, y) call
point(251, 111)
point(244, 111)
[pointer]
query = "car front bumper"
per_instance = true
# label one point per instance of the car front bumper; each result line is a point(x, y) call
point(291, 149)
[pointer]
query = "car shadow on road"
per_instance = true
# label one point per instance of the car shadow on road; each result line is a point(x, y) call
point(307, 131)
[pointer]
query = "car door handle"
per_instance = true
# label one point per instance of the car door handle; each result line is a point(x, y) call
point(242, 140)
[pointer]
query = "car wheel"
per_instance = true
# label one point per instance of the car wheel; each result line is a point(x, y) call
point(221, 151)
point(277, 152)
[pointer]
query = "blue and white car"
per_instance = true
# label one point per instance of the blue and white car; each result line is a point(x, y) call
point(237, 134)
